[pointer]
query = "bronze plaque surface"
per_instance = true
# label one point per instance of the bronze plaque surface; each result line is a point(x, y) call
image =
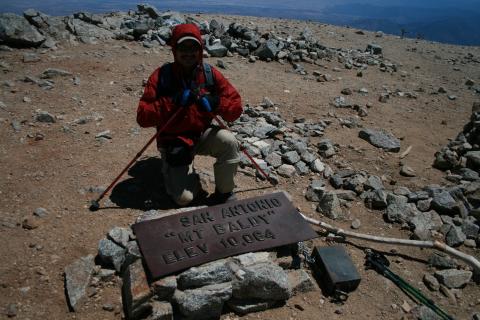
point(188, 239)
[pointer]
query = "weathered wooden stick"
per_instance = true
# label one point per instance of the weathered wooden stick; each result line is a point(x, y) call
point(470, 260)
point(406, 152)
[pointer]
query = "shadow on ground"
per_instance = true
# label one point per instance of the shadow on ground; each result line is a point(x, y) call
point(145, 189)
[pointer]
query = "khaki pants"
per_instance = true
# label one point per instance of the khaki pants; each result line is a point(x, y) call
point(182, 183)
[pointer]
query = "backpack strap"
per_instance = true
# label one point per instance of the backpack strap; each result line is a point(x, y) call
point(164, 84)
point(209, 79)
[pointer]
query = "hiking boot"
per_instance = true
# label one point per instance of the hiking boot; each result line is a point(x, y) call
point(219, 198)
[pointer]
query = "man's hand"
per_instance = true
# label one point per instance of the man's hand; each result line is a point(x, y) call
point(184, 98)
point(209, 102)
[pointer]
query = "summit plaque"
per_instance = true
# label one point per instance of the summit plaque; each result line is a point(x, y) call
point(188, 239)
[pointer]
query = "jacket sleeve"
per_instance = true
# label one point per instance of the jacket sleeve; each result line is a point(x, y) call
point(230, 104)
point(152, 110)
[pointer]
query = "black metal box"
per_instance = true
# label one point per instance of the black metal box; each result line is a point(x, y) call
point(335, 269)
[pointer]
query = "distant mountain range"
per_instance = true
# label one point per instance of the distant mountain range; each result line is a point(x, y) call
point(449, 25)
point(448, 21)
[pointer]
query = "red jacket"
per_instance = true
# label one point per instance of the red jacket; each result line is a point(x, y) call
point(192, 121)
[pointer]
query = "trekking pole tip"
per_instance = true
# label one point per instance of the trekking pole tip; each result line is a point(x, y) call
point(94, 205)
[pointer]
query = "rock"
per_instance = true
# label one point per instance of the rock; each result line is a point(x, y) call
point(453, 278)
point(161, 311)
point(165, 288)
point(153, 12)
point(267, 50)
point(441, 90)
point(317, 166)
point(422, 312)
point(216, 50)
point(274, 159)
point(376, 199)
point(300, 282)
point(426, 221)
point(11, 310)
point(444, 203)
point(286, 170)
point(104, 135)
point(347, 91)
point(108, 307)
point(31, 223)
point(340, 102)
point(111, 254)
point(441, 261)
point(30, 57)
point(120, 236)
point(44, 116)
point(106, 274)
point(380, 139)
point(267, 103)
point(203, 303)
point(407, 171)
point(302, 168)
point(40, 212)
point(356, 223)
point(242, 307)
point(329, 206)
point(400, 212)
point(135, 289)
point(51, 73)
point(326, 148)
point(315, 191)
point(424, 205)
point(15, 31)
point(209, 273)
point(431, 282)
point(251, 258)
point(374, 49)
point(307, 157)
point(265, 281)
point(455, 237)
point(473, 159)
point(470, 229)
point(77, 279)
point(373, 183)
point(291, 157)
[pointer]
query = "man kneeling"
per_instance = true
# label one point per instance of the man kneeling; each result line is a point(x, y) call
point(201, 91)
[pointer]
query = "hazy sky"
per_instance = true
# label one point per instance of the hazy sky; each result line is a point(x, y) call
point(64, 6)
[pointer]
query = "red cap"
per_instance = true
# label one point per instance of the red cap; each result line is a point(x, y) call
point(185, 31)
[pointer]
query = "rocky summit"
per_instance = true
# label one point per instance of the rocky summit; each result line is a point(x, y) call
point(370, 132)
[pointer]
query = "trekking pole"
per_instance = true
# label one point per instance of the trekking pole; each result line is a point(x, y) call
point(95, 204)
point(380, 263)
point(242, 148)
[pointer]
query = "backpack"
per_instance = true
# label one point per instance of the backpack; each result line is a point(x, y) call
point(165, 87)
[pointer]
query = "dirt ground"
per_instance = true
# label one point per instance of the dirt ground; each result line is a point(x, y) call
point(56, 172)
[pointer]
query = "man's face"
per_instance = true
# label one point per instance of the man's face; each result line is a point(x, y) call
point(188, 53)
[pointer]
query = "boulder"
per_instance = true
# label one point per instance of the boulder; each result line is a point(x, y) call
point(267, 50)
point(15, 31)
point(315, 190)
point(216, 50)
point(209, 273)
point(242, 306)
point(111, 254)
point(165, 288)
point(329, 206)
point(453, 278)
point(203, 303)
point(150, 10)
point(135, 289)
point(380, 139)
point(266, 281)
point(444, 203)
point(77, 279)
